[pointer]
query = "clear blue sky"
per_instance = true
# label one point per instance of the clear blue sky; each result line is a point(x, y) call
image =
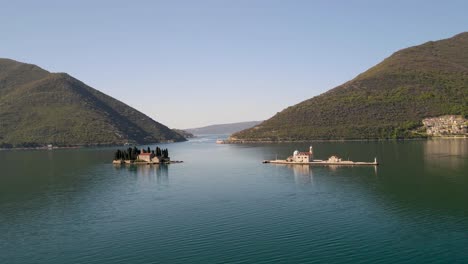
point(194, 63)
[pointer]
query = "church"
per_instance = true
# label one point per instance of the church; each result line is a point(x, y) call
point(301, 156)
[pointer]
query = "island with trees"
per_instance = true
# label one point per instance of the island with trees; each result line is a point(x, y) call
point(142, 156)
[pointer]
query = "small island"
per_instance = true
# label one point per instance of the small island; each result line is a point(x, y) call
point(143, 156)
point(307, 158)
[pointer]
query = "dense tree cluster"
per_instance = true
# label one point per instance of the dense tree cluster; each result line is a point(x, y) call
point(132, 153)
point(128, 154)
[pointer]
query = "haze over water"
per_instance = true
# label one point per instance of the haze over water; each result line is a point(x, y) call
point(223, 205)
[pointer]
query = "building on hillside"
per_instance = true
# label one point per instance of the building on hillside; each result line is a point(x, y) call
point(301, 156)
point(447, 125)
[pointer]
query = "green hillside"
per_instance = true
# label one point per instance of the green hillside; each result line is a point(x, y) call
point(38, 107)
point(387, 101)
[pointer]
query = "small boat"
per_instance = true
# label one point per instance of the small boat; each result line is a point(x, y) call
point(220, 141)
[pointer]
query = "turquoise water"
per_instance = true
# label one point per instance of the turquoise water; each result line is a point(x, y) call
point(222, 205)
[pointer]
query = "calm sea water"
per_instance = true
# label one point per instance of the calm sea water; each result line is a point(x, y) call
point(224, 206)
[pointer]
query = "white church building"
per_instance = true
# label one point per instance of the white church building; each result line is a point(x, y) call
point(301, 156)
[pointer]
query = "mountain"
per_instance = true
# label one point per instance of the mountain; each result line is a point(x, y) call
point(38, 107)
point(183, 133)
point(223, 128)
point(387, 101)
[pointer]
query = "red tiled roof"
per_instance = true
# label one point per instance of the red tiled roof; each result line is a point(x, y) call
point(145, 154)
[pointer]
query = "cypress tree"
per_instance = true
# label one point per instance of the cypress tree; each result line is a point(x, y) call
point(165, 153)
point(129, 151)
point(135, 152)
point(158, 151)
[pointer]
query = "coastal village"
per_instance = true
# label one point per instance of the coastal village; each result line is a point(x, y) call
point(143, 156)
point(448, 125)
point(307, 158)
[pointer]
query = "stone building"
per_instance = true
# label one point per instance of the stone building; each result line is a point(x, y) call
point(146, 156)
point(151, 157)
point(334, 159)
point(301, 156)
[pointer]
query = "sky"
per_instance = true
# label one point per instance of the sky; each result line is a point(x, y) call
point(194, 63)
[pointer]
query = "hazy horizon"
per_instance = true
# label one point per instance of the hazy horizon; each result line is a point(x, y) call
point(217, 124)
point(193, 64)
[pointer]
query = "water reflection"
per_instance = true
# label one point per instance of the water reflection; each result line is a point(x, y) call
point(448, 153)
point(302, 173)
point(160, 172)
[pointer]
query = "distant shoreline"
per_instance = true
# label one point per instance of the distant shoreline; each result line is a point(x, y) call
point(45, 147)
point(338, 140)
point(236, 142)
point(42, 148)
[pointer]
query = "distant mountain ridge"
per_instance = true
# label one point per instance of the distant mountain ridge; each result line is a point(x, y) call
point(223, 128)
point(38, 107)
point(183, 133)
point(387, 101)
